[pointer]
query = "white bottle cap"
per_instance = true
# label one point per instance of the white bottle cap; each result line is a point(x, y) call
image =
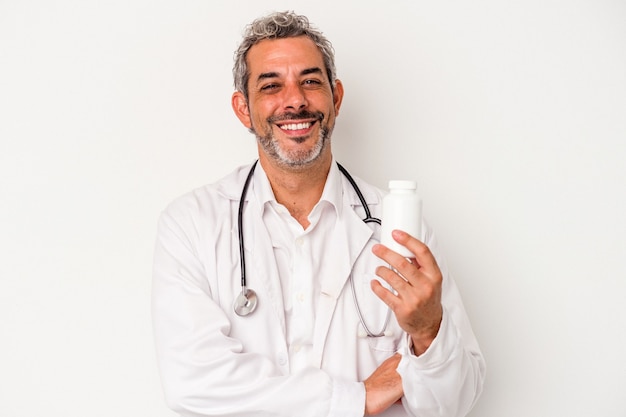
point(402, 185)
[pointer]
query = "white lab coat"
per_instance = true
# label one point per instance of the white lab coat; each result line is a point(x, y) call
point(215, 363)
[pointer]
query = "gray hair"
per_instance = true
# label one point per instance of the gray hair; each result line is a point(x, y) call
point(277, 26)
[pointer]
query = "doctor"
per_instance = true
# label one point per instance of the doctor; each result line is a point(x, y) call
point(286, 239)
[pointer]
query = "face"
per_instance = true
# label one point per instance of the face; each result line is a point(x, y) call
point(291, 107)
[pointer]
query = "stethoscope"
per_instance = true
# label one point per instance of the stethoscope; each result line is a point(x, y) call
point(247, 300)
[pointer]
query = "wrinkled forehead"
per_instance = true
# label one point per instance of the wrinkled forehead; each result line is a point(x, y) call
point(284, 56)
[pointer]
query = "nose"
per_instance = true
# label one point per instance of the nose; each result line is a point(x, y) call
point(294, 97)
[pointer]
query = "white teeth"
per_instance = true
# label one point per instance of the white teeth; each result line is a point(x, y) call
point(296, 126)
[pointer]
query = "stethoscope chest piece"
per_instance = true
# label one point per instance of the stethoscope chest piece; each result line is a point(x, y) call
point(245, 303)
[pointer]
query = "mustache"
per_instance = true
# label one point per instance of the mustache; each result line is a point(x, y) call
point(304, 114)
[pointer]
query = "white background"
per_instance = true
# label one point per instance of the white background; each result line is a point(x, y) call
point(510, 115)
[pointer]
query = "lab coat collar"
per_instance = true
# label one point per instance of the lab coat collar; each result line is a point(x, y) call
point(231, 186)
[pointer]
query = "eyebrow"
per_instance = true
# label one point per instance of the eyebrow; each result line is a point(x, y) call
point(266, 75)
point(314, 70)
point(307, 71)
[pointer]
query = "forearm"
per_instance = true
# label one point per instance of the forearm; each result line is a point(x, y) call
point(446, 380)
point(207, 370)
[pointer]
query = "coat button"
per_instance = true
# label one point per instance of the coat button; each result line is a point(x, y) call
point(282, 359)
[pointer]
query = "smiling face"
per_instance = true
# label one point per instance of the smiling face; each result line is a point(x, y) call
point(291, 107)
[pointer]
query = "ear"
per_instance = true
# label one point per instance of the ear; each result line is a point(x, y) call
point(241, 109)
point(338, 96)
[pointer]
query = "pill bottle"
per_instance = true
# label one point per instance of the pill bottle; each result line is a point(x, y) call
point(402, 209)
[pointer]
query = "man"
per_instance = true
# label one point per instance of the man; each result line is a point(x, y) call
point(299, 344)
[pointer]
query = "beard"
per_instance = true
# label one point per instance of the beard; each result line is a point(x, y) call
point(294, 158)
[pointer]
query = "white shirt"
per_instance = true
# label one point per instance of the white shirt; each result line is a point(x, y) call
point(301, 256)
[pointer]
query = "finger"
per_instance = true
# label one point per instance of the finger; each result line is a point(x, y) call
point(397, 283)
point(386, 296)
point(423, 255)
point(391, 257)
point(404, 268)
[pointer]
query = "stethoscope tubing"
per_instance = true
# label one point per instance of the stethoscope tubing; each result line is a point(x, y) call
point(242, 258)
point(368, 215)
point(245, 303)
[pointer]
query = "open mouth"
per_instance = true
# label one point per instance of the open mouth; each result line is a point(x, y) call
point(296, 126)
point(300, 123)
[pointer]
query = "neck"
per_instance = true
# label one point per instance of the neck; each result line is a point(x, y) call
point(298, 189)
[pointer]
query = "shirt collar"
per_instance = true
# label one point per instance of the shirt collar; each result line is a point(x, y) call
point(332, 193)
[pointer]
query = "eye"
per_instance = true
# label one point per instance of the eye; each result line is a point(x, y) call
point(311, 82)
point(269, 87)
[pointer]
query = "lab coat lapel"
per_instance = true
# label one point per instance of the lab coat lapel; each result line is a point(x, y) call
point(261, 262)
point(350, 237)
